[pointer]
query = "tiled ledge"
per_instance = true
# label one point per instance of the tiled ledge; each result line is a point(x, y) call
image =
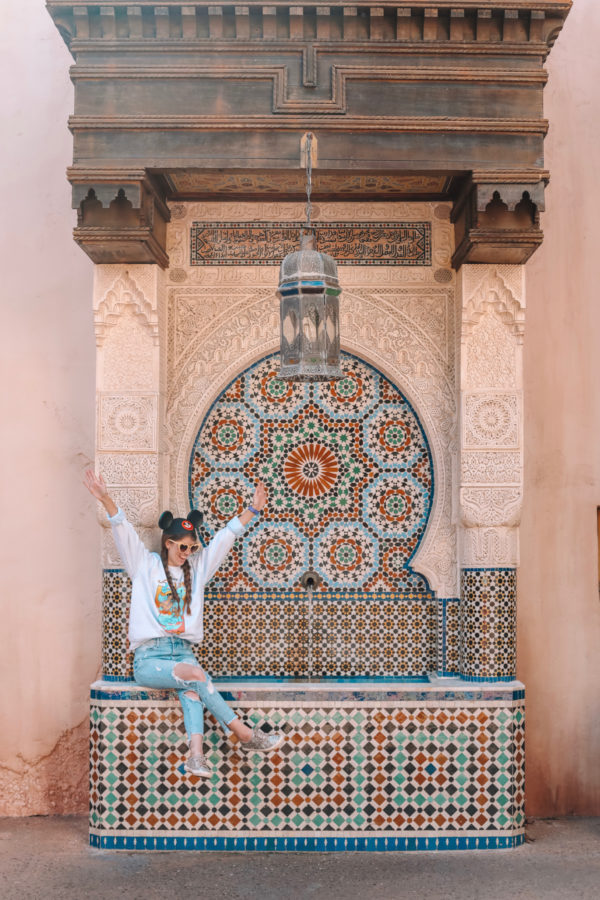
point(268, 690)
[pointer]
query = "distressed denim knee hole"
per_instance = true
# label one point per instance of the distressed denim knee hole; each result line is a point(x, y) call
point(192, 695)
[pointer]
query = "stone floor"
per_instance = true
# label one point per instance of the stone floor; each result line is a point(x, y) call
point(50, 858)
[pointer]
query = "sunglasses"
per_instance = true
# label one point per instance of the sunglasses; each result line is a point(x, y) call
point(185, 547)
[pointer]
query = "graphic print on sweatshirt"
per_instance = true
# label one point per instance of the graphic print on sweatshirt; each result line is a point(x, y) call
point(169, 613)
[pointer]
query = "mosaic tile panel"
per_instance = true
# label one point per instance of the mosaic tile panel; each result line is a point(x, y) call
point(117, 661)
point(349, 475)
point(282, 634)
point(447, 636)
point(351, 244)
point(362, 766)
point(488, 624)
point(452, 630)
point(336, 635)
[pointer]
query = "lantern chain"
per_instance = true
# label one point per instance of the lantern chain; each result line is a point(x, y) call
point(309, 138)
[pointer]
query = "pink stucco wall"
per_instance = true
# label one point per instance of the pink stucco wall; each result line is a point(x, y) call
point(559, 604)
point(50, 622)
point(51, 596)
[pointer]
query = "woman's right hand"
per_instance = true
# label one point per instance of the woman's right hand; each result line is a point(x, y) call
point(95, 485)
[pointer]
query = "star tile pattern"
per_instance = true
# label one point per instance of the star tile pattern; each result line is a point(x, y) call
point(283, 634)
point(117, 661)
point(352, 766)
point(349, 475)
point(488, 624)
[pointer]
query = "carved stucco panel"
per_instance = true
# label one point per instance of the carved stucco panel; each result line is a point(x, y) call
point(127, 355)
point(489, 548)
point(349, 276)
point(183, 214)
point(127, 422)
point(491, 420)
point(117, 287)
point(491, 506)
point(133, 469)
point(491, 464)
point(110, 554)
point(140, 505)
point(491, 354)
point(322, 211)
point(498, 288)
point(491, 467)
point(209, 350)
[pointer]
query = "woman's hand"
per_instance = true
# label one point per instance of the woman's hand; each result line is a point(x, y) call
point(258, 502)
point(95, 485)
point(260, 496)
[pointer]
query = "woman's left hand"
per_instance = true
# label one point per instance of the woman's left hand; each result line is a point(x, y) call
point(260, 496)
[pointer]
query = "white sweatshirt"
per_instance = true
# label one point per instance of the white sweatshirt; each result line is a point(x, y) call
point(153, 613)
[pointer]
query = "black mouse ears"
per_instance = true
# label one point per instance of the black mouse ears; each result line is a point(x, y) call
point(195, 517)
point(168, 523)
point(165, 520)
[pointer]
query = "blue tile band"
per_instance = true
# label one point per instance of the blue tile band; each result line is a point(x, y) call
point(294, 844)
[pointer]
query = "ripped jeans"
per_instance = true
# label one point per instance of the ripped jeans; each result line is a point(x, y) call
point(153, 666)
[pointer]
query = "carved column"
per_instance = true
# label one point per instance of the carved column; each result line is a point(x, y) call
point(129, 313)
point(491, 466)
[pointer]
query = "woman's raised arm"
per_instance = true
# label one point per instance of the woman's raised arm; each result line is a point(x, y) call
point(131, 549)
point(95, 485)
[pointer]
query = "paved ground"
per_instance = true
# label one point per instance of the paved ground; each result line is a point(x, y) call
point(49, 858)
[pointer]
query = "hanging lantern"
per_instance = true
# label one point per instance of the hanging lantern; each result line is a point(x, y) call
point(309, 307)
point(310, 332)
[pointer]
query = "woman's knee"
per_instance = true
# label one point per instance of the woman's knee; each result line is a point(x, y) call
point(188, 672)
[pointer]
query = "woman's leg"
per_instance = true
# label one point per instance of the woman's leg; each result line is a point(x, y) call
point(156, 671)
point(201, 690)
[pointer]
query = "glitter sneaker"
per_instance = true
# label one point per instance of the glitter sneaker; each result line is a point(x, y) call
point(262, 740)
point(197, 765)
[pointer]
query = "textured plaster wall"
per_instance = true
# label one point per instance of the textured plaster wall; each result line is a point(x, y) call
point(559, 608)
point(50, 602)
point(51, 596)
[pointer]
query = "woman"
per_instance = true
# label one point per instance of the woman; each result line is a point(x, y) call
point(167, 604)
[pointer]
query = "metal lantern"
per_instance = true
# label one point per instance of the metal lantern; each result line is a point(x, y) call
point(310, 331)
point(309, 293)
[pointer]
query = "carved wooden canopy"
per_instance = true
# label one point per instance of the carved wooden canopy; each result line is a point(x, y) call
point(418, 100)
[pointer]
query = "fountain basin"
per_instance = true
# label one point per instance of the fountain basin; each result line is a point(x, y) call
point(367, 764)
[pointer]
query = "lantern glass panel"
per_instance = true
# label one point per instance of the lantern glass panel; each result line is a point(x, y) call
point(313, 328)
point(290, 331)
point(332, 330)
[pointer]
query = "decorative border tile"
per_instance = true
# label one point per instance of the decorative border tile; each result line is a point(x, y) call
point(298, 844)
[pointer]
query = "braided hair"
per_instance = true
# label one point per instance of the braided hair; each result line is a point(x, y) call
point(187, 570)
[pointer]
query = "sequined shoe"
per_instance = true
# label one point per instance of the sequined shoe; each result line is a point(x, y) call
point(197, 765)
point(262, 740)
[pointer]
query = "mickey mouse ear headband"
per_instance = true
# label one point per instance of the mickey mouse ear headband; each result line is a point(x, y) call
point(170, 525)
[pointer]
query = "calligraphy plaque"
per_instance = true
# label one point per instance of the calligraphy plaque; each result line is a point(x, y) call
point(350, 243)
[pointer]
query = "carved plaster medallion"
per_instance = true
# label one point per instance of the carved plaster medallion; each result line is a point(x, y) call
point(491, 420)
point(127, 422)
